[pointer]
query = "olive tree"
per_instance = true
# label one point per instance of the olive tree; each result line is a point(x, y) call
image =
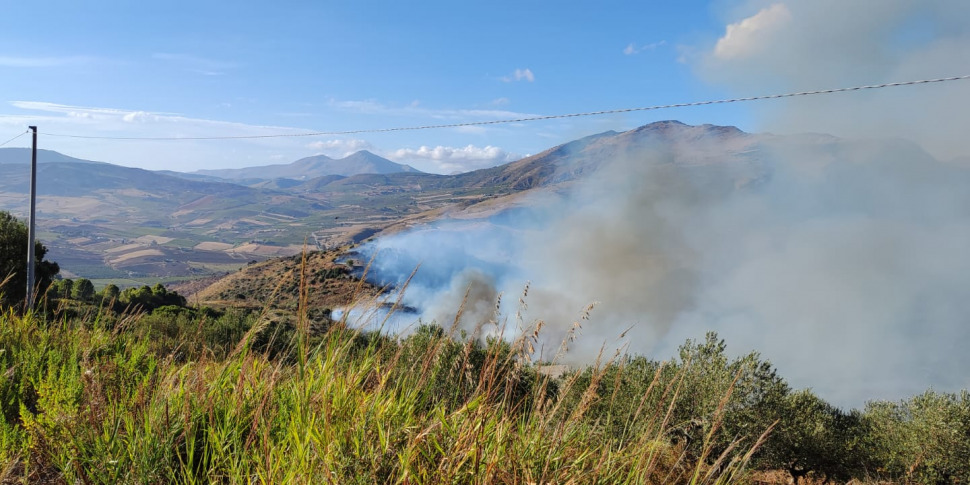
point(924, 439)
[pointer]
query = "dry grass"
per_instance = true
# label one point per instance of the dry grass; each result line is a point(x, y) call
point(88, 401)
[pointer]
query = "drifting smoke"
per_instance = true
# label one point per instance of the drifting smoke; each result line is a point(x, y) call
point(843, 262)
point(798, 45)
point(879, 308)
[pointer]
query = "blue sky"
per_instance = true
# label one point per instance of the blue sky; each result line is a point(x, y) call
point(252, 68)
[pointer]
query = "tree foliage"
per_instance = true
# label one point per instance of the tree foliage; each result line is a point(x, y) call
point(13, 257)
point(110, 293)
point(82, 289)
point(924, 439)
point(814, 437)
point(60, 288)
point(149, 298)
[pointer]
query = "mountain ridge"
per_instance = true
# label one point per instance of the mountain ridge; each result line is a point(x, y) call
point(90, 212)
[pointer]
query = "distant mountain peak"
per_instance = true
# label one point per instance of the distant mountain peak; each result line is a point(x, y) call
point(677, 129)
point(665, 123)
point(308, 168)
point(661, 126)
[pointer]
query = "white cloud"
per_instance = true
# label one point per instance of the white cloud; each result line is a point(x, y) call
point(750, 35)
point(633, 48)
point(139, 117)
point(501, 101)
point(520, 75)
point(340, 147)
point(442, 159)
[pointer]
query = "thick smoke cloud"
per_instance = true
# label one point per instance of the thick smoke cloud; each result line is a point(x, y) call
point(842, 262)
point(795, 45)
point(847, 268)
point(894, 230)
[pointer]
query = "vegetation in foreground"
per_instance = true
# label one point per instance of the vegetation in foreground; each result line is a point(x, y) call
point(201, 397)
point(92, 393)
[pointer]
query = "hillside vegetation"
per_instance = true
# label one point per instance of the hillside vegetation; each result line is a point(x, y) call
point(276, 282)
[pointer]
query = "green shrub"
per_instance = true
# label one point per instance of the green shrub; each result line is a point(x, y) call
point(925, 438)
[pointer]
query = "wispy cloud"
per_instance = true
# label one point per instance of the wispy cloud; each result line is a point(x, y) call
point(55, 118)
point(520, 75)
point(367, 106)
point(374, 107)
point(200, 65)
point(12, 61)
point(80, 111)
point(633, 48)
point(140, 117)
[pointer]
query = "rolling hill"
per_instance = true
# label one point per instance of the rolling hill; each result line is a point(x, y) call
point(106, 221)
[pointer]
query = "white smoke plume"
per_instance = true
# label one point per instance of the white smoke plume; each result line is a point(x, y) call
point(798, 45)
point(885, 323)
point(843, 262)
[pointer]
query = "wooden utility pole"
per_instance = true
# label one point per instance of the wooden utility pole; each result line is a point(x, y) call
point(30, 224)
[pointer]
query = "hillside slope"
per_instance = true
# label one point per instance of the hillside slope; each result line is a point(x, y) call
point(275, 284)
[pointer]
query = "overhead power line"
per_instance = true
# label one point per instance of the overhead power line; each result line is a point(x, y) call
point(14, 138)
point(526, 119)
